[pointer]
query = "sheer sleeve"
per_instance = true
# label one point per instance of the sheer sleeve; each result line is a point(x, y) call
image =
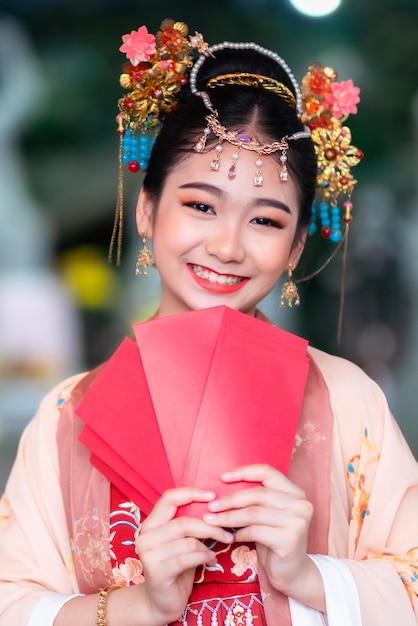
point(374, 497)
point(35, 554)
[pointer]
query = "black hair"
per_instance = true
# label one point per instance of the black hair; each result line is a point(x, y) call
point(239, 108)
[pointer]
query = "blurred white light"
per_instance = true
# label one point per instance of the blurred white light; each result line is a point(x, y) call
point(316, 8)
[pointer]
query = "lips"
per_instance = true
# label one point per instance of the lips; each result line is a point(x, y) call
point(217, 283)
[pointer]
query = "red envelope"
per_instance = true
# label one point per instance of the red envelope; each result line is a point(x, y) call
point(124, 477)
point(191, 339)
point(176, 353)
point(119, 413)
point(124, 485)
point(249, 413)
point(208, 390)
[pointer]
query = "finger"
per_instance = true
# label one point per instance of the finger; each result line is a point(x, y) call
point(177, 529)
point(257, 496)
point(299, 513)
point(283, 541)
point(168, 562)
point(263, 473)
point(167, 505)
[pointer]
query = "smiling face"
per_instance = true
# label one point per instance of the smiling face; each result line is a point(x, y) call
point(218, 241)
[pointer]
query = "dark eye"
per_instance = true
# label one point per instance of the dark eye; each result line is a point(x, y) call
point(265, 221)
point(200, 206)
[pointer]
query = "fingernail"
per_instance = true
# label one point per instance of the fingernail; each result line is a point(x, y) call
point(209, 494)
point(214, 505)
point(208, 517)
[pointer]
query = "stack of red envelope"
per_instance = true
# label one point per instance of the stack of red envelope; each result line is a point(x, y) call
point(194, 395)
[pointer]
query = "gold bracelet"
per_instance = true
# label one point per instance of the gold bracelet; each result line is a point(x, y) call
point(101, 605)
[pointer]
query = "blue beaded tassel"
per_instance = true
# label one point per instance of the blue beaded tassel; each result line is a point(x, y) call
point(136, 151)
point(312, 227)
point(329, 219)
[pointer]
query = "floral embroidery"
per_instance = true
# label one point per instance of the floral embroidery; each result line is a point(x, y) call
point(298, 443)
point(232, 563)
point(5, 510)
point(129, 573)
point(357, 478)
point(69, 566)
point(238, 616)
point(215, 566)
point(237, 562)
point(64, 393)
point(90, 544)
point(125, 524)
point(127, 514)
point(244, 559)
point(308, 436)
point(406, 568)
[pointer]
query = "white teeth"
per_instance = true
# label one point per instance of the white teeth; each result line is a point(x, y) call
point(213, 277)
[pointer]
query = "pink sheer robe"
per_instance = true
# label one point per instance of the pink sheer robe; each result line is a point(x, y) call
point(349, 457)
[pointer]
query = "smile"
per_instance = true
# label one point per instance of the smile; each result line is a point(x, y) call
point(218, 283)
point(213, 277)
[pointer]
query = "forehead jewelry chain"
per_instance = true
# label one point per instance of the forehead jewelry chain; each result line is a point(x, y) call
point(244, 142)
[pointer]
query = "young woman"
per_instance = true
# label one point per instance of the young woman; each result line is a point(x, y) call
point(226, 202)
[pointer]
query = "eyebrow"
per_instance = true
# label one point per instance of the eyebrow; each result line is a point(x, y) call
point(258, 202)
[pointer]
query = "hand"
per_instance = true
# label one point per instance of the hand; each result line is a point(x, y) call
point(171, 549)
point(276, 516)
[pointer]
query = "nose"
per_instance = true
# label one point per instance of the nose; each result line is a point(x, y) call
point(226, 243)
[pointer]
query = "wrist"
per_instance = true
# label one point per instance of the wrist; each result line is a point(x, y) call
point(308, 587)
point(131, 606)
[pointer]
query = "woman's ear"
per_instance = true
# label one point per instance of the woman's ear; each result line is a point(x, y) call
point(298, 249)
point(144, 210)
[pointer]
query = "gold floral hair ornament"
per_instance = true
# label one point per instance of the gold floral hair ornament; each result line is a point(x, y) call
point(155, 73)
point(326, 106)
point(156, 70)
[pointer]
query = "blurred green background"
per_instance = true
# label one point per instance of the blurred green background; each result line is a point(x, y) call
point(63, 308)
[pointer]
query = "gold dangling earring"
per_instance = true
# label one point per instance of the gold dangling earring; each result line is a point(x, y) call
point(144, 259)
point(290, 294)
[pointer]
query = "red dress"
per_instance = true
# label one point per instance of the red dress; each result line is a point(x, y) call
point(226, 593)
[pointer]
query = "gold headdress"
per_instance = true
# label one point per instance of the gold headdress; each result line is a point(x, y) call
point(326, 106)
point(154, 75)
point(159, 66)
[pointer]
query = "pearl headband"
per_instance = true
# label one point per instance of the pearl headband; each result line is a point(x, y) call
point(246, 46)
